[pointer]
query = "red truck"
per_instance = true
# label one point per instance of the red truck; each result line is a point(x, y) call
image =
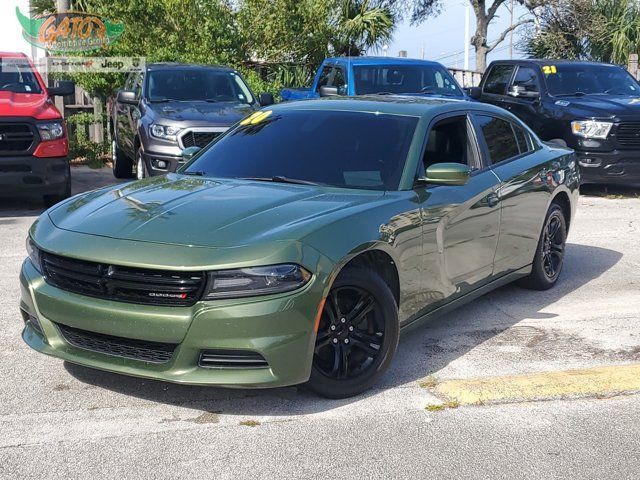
point(34, 146)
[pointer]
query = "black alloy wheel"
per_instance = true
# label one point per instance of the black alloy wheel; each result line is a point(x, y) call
point(357, 335)
point(553, 244)
point(549, 257)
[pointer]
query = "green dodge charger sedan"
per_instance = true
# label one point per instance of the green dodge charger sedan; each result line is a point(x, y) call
point(294, 248)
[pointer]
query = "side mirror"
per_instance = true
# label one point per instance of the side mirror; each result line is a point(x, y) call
point(326, 91)
point(266, 99)
point(475, 93)
point(446, 174)
point(127, 96)
point(62, 88)
point(521, 92)
point(188, 153)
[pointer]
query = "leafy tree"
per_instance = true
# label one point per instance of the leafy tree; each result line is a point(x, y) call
point(361, 25)
point(599, 30)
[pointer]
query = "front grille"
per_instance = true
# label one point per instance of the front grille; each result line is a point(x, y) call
point(628, 134)
point(198, 139)
point(16, 138)
point(231, 359)
point(153, 352)
point(123, 284)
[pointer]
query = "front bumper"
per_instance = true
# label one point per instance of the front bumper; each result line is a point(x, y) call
point(154, 163)
point(33, 175)
point(280, 328)
point(620, 167)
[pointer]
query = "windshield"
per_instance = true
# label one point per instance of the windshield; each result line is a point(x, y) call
point(425, 79)
point(589, 80)
point(17, 76)
point(192, 85)
point(337, 148)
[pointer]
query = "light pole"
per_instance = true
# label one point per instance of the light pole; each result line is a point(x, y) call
point(467, 14)
point(63, 5)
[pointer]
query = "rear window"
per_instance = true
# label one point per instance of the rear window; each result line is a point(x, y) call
point(337, 148)
point(497, 79)
point(416, 79)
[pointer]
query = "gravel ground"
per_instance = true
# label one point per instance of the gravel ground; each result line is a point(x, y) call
point(61, 420)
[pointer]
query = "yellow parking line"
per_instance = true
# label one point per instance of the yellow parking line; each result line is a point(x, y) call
point(600, 381)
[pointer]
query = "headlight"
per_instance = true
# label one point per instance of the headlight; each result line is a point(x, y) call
point(164, 132)
point(249, 282)
point(34, 253)
point(51, 130)
point(591, 128)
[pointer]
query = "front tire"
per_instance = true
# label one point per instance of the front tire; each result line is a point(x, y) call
point(549, 258)
point(121, 164)
point(140, 171)
point(357, 335)
point(51, 200)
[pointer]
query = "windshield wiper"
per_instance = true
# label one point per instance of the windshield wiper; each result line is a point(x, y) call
point(574, 94)
point(211, 100)
point(160, 100)
point(280, 179)
point(196, 173)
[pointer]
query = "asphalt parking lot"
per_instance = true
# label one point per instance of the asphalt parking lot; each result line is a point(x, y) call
point(517, 384)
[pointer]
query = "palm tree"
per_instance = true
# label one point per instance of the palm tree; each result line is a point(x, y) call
point(361, 25)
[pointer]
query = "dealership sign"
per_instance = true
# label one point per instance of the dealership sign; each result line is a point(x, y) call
point(69, 31)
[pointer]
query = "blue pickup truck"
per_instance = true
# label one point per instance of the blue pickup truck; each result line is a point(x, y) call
point(377, 75)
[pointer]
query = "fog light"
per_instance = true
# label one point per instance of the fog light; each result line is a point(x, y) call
point(590, 162)
point(31, 320)
point(161, 164)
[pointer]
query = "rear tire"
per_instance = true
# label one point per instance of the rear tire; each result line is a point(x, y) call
point(549, 258)
point(357, 336)
point(122, 165)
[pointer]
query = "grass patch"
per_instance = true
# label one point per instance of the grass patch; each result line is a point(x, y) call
point(434, 408)
point(249, 423)
point(429, 382)
point(442, 406)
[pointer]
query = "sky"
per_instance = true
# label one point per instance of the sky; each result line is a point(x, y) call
point(442, 37)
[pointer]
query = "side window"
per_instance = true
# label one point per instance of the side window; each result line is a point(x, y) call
point(523, 139)
point(499, 137)
point(526, 78)
point(324, 77)
point(137, 84)
point(497, 79)
point(450, 140)
point(339, 80)
point(129, 82)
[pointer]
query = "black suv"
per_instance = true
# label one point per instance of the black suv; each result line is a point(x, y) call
point(170, 107)
point(593, 108)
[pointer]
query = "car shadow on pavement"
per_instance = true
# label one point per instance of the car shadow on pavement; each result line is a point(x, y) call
point(423, 351)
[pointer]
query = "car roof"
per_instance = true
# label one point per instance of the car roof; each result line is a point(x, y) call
point(549, 61)
point(12, 55)
point(388, 104)
point(382, 61)
point(182, 66)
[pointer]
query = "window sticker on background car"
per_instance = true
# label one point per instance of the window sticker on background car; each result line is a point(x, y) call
point(549, 69)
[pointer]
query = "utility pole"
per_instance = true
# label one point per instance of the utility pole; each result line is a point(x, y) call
point(467, 14)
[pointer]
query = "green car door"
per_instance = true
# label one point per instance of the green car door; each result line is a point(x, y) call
point(524, 192)
point(461, 223)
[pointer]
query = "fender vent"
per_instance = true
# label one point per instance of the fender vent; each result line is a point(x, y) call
point(231, 359)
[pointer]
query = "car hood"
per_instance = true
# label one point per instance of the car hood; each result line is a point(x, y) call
point(213, 114)
point(31, 105)
point(607, 106)
point(205, 212)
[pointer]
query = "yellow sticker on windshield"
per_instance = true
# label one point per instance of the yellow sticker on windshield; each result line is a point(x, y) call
point(549, 69)
point(256, 118)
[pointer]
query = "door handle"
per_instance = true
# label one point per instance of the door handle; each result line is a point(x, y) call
point(493, 199)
